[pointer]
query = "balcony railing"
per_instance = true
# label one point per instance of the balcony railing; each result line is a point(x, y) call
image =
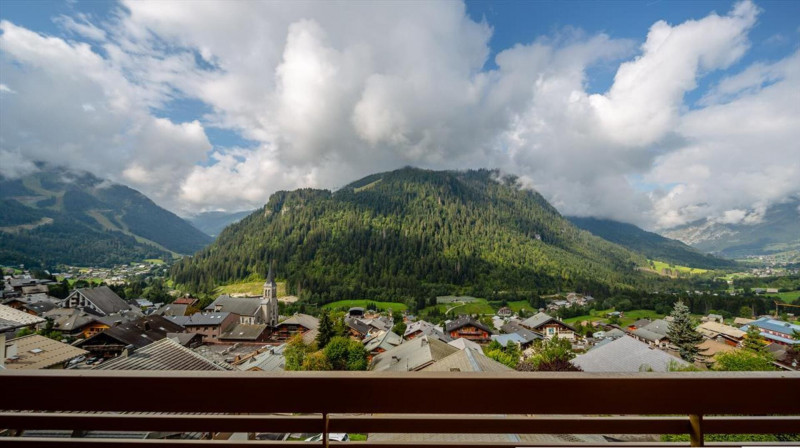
point(693, 403)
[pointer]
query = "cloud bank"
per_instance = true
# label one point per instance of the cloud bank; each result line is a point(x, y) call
point(323, 93)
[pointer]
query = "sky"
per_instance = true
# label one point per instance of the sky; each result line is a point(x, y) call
point(656, 113)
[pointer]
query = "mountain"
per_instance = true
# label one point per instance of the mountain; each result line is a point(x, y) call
point(412, 233)
point(55, 216)
point(650, 244)
point(777, 232)
point(212, 223)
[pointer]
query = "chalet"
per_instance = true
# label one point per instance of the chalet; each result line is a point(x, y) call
point(297, 324)
point(467, 361)
point(76, 323)
point(654, 333)
point(210, 325)
point(423, 328)
point(514, 327)
point(379, 323)
point(137, 334)
point(246, 333)
point(36, 304)
point(356, 327)
point(172, 309)
point(505, 339)
point(412, 355)
point(722, 333)
point(381, 342)
point(776, 331)
point(34, 352)
point(468, 328)
point(549, 326)
point(102, 300)
point(189, 301)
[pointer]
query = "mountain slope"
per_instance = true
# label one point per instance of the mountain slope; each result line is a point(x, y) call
point(778, 231)
point(212, 223)
point(54, 216)
point(408, 233)
point(650, 244)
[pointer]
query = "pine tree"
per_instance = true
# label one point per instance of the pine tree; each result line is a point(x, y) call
point(326, 330)
point(681, 333)
point(753, 341)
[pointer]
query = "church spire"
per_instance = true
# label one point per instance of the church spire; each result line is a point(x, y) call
point(271, 274)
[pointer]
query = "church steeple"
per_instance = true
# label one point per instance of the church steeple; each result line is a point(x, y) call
point(269, 301)
point(270, 287)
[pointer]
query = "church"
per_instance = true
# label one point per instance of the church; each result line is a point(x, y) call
point(252, 310)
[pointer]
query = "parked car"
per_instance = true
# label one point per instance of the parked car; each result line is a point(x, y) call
point(333, 437)
point(77, 360)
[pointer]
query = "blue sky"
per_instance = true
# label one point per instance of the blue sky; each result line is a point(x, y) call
point(652, 112)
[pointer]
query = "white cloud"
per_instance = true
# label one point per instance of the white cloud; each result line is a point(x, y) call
point(333, 91)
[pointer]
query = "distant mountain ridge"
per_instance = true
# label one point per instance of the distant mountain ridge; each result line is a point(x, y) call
point(409, 233)
point(212, 223)
point(778, 231)
point(58, 216)
point(652, 245)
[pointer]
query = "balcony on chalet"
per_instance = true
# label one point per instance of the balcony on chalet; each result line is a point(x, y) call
point(74, 408)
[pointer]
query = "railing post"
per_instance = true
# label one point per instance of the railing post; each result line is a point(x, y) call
point(696, 436)
point(326, 425)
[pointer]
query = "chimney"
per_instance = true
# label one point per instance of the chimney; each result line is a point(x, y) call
point(128, 351)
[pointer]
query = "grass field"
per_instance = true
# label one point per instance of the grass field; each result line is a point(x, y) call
point(477, 306)
point(71, 281)
point(255, 288)
point(154, 261)
point(660, 266)
point(518, 305)
point(347, 304)
point(630, 317)
point(787, 297)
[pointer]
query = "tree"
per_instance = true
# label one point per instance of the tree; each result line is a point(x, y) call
point(746, 311)
point(399, 328)
point(549, 355)
point(317, 361)
point(345, 354)
point(681, 332)
point(508, 355)
point(743, 360)
point(325, 329)
point(754, 342)
point(295, 353)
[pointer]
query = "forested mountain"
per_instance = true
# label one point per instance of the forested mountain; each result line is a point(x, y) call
point(778, 231)
point(54, 216)
point(212, 223)
point(652, 245)
point(411, 232)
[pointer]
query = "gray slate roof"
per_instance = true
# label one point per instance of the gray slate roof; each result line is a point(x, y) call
point(539, 319)
point(165, 354)
point(467, 361)
point(11, 319)
point(105, 299)
point(199, 319)
point(518, 329)
point(172, 310)
point(270, 359)
point(648, 335)
point(138, 333)
point(412, 355)
point(305, 320)
point(385, 340)
point(244, 332)
point(243, 306)
point(658, 326)
point(625, 354)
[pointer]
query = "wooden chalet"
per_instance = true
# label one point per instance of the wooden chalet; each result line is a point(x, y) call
point(468, 328)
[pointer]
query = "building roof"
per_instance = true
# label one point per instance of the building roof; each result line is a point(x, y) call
point(243, 306)
point(165, 354)
point(658, 326)
point(185, 339)
point(464, 343)
point(385, 340)
point(185, 301)
point(106, 300)
point(39, 352)
point(648, 335)
point(504, 339)
point(614, 333)
point(378, 323)
point(356, 324)
point(138, 333)
point(244, 332)
point(467, 361)
point(742, 321)
point(625, 354)
point(199, 319)
point(464, 321)
point(172, 309)
point(11, 319)
point(640, 323)
point(412, 355)
point(304, 320)
point(778, 326)
point(267, 359)
point(711, 348)
point(516, 328)
point(539, 319)
point(712, 329)
point(70, 319)
point(427, 329)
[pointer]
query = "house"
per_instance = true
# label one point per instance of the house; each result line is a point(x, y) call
point(654, 333)
point(467, 361)
point(720, 332)
point(381, 342)
point(101, 300)
point(505, 339)
point(514, 327)
point(190, 340)
point(211, 324)
point(143, 303)
point(36, 304)
point(357, 328)
point(549, 326)
point(11, 319)
point(412, 355)
point(297, 324)
point(172, 309)
point(165, 354)
point(468, 328)
point(34, 352)
point(137, 334)
point(379, 323)
point(76, 323)
point(423, 328)
point(776, 331)
point(466, 344)
point(641, 323)
point(739, 321)
point(505, 312)
point(246, 333)
point(626, 354)
point(189, 301)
